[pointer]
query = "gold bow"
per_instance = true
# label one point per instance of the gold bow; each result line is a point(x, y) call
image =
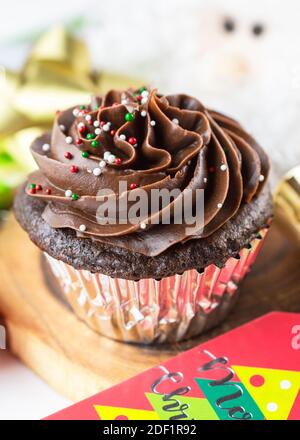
point(56, 75)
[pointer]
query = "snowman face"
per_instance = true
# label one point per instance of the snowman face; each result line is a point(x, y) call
point(244, 41)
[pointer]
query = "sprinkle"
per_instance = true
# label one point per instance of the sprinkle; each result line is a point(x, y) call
point(82, 107)
point(94, 144)
point(124, 101)
point(133, 186)
point(122, 137)
point(74, 169)
point(75, 112)
point(205, 180)
point(96, 123)
point(111, 158)
point(143, 225)
point(97, 171)
point(143, 113)
point(82, 228)
point(96, 107)
point(106, 127)
point(32, 190)
point(88, 118)
point(32, 185)
point(129, 117)
point(75, 196)
point(145, 93)
point(223, 167)
point(175, 121)
point(68, 155)
point(69, 140)
point(48, 191)
point(90, 136)
point(62, 127)
point(132, 140)
point(46, 147)
point(144, 100)
point(261, 178)
point(85, 154)
point(118, 161)
point(98, 131)
point(112, 132)
point(153, 123)
point(106, 155)
point(68, 193)
point(81, 128)
point(39, 187)
point(78, 141)
point(102, 123)
point(219, 205)
point(102, 164)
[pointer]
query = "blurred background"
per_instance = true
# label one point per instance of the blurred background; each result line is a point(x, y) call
point(241, 57)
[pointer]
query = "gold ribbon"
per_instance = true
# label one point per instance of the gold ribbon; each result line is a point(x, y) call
point(287, 203)
point(56, 75)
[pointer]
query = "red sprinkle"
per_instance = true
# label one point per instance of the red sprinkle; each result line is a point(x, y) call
point(132, 140)
point(74, 169)
point(139, 97)
point(81, 129)
point(133, 186)
point(68, 155)
point(118, 161)
point(38, 187)
point(78, 141)
point(32, 190)
point(48, 191)
point(112, 132)
point(102, 123)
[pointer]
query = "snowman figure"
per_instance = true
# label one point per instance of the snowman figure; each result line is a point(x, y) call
point(241, 57)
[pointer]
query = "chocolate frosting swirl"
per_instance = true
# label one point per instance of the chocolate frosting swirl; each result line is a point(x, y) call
point(151, 142)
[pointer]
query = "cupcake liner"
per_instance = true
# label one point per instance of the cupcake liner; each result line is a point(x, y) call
point(155, 311)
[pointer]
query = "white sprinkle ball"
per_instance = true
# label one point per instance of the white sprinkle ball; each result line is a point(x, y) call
point(97, 171)
point(111, 158)
point(102, 164)
point(46, 147)
point(143, 113)
point(88, 117)
point(75, 112)
point(106, 155)
point(106, 127)
point(261, 178)
point(223, 167)
point(219, 205)
point(97, 131)
point(145, 93)
point(69, 140)
point(62, 127)
point(144, 100)
point(122, 137)
point(82, 228)
point(143, 225)
point(124, 101)
point(175, 121)
point(68, 193)
point(96, 123)
point(153, 123)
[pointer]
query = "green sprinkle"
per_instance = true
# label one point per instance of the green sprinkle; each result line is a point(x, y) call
point(142, 89)
point(32, 185)
point(82, 107)
point(94, 144)
point(90, 136)
point(75, 196)
point(129, 117)
point(85, 154)
point(96, 107)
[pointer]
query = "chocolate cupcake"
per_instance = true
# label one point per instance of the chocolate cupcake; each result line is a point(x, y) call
point(108, 208)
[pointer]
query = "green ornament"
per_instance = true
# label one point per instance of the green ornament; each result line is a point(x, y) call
point(90, 136)
point(85, 154)
point(129, 117)
point(94, 144)
point(82, 107)
point(75, 196)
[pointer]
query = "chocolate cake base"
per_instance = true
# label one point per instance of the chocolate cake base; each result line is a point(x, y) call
point(83, 253)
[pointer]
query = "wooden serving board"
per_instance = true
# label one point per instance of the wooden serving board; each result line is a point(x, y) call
point(76, 361)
